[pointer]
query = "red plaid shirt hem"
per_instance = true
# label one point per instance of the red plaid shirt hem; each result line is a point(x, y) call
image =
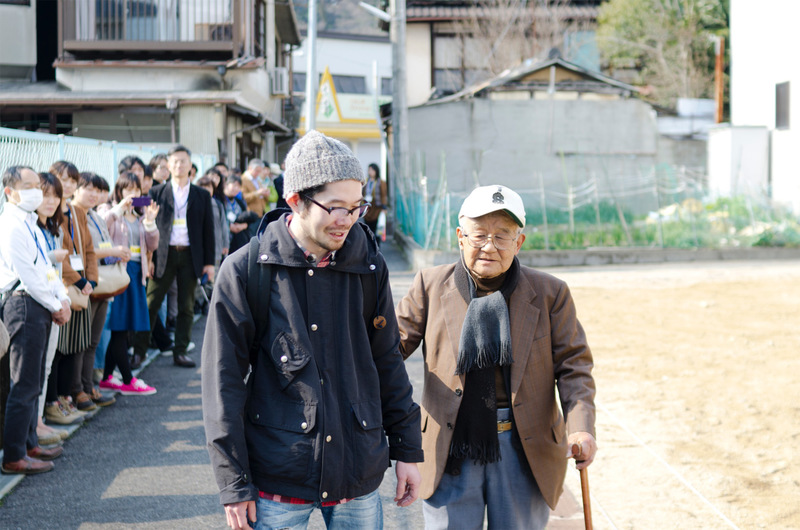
point(293, 500)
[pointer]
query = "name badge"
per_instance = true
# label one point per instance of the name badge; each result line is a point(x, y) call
point(181, 221)
point(76, 262)
point(231, 217)
point(52, 275)
point(136, 251)
point(104, 244)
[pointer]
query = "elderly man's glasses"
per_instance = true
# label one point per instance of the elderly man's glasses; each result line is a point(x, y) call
point(340, 212)
point(480, 240)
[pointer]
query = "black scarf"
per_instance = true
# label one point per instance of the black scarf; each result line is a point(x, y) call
point(485, 343)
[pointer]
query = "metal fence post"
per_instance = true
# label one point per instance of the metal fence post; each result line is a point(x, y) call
point(62, 148)
point(114, 162)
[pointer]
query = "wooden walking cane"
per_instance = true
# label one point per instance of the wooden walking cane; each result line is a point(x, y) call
point(587, 505)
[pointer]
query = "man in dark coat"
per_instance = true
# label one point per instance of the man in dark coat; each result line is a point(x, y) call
point(185, 250)
point(327, 385)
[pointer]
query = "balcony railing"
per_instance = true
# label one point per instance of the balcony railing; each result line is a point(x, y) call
point(178, 28)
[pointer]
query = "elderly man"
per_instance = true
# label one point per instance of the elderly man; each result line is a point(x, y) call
point(497, 339)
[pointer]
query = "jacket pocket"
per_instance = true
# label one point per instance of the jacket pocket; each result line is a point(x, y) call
point(288, 358)
point(369, 446)
point(280, 438)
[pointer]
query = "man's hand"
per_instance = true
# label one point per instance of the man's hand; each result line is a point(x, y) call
point(588, 448)
point(408, 481)
point(238, 513)
point(208, 270)
point(61, 316)
point(87, 289)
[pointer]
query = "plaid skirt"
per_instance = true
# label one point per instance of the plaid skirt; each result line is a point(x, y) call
point(76, 335)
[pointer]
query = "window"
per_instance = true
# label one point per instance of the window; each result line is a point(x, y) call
point(350, 84)
point(782, 105)
point(386, 86)
point(344, 84)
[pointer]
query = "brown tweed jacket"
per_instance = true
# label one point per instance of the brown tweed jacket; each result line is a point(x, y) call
point(549, 348)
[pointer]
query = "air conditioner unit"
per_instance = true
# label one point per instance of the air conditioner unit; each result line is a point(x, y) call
point(279, 81)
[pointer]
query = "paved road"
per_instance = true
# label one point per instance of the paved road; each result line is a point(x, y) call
point(142, 463)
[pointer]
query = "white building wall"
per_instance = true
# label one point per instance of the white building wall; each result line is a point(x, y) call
point(348, 57)
point(17, 41)
point(759, 42)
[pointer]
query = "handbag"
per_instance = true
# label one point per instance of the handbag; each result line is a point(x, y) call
point(112, 280)
point(77, 300)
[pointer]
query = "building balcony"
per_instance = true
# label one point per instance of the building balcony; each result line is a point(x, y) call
point(155, 29)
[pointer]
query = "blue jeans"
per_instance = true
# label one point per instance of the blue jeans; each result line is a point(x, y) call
point(361, 513)
point(506, 491)
point(29, 326)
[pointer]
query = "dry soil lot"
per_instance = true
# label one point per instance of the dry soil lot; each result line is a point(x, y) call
point(698, 393)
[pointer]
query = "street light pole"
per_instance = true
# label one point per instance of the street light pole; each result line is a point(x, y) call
point(311, 67)
point(397, 35)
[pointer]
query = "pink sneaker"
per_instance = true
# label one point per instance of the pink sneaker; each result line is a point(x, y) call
point(112, 383)
point(137, 387)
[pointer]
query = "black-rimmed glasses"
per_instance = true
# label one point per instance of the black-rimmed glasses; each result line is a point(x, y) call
point(340, 212)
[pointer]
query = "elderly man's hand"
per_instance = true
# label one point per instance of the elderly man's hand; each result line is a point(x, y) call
point(588, 448)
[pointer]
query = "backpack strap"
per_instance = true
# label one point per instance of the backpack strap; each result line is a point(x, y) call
point(258, 274)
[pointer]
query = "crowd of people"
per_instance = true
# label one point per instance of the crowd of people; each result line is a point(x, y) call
point(93, 277)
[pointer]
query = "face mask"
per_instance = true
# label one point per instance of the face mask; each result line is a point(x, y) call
point(29, 200)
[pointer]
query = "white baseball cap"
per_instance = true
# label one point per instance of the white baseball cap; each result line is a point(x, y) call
point(488, 199)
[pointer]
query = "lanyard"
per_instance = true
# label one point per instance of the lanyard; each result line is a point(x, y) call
point(89, 215)
point(49, 239)
point(36, 240)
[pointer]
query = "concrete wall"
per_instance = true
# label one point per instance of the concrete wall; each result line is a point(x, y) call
point(418, 63)
point(512, 142)
point(128, 125)
point(17, 41)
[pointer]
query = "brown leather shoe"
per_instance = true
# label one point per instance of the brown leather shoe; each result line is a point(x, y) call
point(183, 360)
point(46, 454)
point(26, 466)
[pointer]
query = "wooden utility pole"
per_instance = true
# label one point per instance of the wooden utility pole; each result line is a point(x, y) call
point(719, 85)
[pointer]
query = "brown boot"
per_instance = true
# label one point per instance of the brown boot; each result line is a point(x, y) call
point(84, 402)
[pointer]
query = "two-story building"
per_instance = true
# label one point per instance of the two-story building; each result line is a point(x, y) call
point(213, 75)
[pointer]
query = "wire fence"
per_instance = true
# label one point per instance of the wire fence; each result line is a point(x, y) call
point(40, 150)
point(662, 207)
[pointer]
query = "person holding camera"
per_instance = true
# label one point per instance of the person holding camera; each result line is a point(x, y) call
point(133, 225)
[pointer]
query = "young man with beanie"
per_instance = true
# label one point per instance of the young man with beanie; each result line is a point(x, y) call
point(498, 338)
point(301, 420)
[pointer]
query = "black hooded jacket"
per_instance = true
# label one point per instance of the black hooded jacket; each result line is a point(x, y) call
point(327, 388)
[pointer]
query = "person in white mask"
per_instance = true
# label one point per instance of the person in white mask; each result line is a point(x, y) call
point(33, 297)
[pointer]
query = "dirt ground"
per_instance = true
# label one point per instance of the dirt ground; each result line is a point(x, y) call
point(698, 393)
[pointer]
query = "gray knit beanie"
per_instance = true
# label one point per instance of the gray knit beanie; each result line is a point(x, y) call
point(317, 159)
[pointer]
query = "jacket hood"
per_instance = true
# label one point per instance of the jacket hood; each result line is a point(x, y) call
point(358, 255)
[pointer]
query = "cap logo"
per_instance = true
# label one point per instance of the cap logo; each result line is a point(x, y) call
point(498, 198)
